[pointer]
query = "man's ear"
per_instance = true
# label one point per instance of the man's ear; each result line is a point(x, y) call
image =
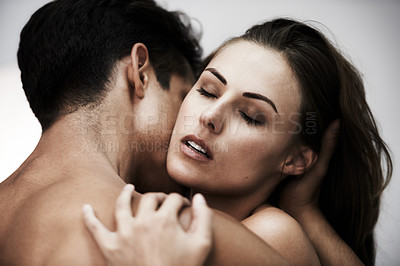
point(300, 161)
point(138, 69)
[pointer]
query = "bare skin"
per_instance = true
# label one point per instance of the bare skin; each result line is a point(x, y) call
point(41, 203)
point(163, 241)
point(300, 199)
point(238, 180)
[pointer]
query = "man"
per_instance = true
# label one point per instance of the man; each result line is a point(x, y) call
point(105, 80)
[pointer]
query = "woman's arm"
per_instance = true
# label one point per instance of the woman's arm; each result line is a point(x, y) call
point(300, 199)
point(331, 249)
point(232, 243)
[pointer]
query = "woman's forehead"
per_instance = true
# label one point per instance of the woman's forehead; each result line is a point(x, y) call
point(250, 67)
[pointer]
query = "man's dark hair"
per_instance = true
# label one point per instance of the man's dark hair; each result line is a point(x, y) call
point(68, 50)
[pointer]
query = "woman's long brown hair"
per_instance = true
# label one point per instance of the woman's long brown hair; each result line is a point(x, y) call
point(332, 88)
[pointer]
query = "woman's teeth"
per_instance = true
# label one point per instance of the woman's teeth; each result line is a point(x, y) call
point(196, 147)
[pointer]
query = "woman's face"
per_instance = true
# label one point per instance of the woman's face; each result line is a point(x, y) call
point(236, 127)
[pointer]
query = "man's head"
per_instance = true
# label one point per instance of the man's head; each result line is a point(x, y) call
point(130, 61)
point(69, 48)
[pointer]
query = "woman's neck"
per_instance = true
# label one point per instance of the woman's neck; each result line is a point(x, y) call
point(241, 205)
point(237, 206)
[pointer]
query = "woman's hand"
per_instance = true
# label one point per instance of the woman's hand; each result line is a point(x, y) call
point(154, 236)
point(301, 195)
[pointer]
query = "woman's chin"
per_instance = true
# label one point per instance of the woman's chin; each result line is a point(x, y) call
point(180, 177)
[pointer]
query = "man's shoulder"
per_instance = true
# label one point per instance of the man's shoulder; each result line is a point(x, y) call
point(48, 221)
point(63, 210)
point(61, 203)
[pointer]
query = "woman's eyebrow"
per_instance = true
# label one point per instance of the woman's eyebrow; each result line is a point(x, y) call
point(217, 74)
point(260, 97)
point(251, 95)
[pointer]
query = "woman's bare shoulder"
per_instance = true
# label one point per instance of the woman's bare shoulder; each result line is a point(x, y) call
point(269, 222)
point(283, 233)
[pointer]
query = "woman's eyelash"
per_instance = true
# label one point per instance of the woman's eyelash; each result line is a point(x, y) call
point(206, 93)
point(245, 117)
point(249, 120)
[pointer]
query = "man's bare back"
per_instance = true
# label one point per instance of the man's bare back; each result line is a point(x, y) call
point(41, 210)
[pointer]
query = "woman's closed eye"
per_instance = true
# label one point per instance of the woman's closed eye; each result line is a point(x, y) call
point(205, 93)
point(249, 120)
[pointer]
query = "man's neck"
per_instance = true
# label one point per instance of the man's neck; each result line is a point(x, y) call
point(73, 144)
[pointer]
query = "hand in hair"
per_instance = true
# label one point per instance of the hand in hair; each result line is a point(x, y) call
point(300, 198)
point(301, 194)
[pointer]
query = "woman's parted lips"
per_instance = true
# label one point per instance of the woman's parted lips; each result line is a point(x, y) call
point(198, 145)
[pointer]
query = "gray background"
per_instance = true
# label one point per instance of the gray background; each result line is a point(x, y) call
point(367, 31)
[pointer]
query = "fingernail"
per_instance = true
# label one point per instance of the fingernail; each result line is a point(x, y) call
point(199, 198)
point(129, 186)
point(335, 127)
point(86, 208)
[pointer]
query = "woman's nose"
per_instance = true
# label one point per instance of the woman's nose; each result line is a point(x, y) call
point(212, 119)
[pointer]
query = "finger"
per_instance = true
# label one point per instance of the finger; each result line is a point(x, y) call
point(329, 141)
point(123, 208)
point(149, 202)
point(173, 204)
point(96, 228)
point(202, 218)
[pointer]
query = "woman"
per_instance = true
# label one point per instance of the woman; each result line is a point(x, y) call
point(254, 120)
